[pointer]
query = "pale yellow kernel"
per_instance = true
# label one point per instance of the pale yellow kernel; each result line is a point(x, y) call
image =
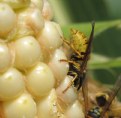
point(40, 80)
point(60, 69)
point(27, 52)
point(11, 84)
point(21, 107)
point(7, 22)
point(75, 111)
point(50, 37)
point(68, 96)
point(17, 4)
point(5, 57)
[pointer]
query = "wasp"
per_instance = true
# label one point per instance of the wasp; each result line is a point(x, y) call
point(81, 47)
point(105, 108)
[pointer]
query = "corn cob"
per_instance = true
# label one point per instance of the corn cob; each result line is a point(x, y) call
point(30, 47)
point(31, 76)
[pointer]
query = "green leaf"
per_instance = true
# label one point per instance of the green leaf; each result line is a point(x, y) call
point(86, 27)
point(102, 62)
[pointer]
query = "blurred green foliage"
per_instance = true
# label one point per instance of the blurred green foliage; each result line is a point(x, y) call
point(107, 41)
point(71, 11)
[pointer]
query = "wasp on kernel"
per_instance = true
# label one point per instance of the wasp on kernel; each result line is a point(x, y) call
point(81, 47)
point(79, 58)
point(105, 108)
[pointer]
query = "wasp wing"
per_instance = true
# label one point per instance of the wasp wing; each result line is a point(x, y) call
point(83, 67)
point(88, 49)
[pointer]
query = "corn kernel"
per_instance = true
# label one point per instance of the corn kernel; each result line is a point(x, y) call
point(27, 52)
point(7, 22)
point(40, 80)
point(11, 84)
point(21, 107)
point(59, 69)
point(17, 4)
point(70, 95)
point(47, 11)
point(5, 57)
point(50, 36)
point(38, 4)
point(75, 111)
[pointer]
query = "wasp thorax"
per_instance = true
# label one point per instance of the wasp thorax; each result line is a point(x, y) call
point(78, 40)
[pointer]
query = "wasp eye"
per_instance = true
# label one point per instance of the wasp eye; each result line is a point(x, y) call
point(101, 100)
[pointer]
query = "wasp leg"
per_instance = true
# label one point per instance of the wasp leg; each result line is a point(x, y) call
point(69, 61)
point(65, 41)
point(70, 84)
point(76, 51)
